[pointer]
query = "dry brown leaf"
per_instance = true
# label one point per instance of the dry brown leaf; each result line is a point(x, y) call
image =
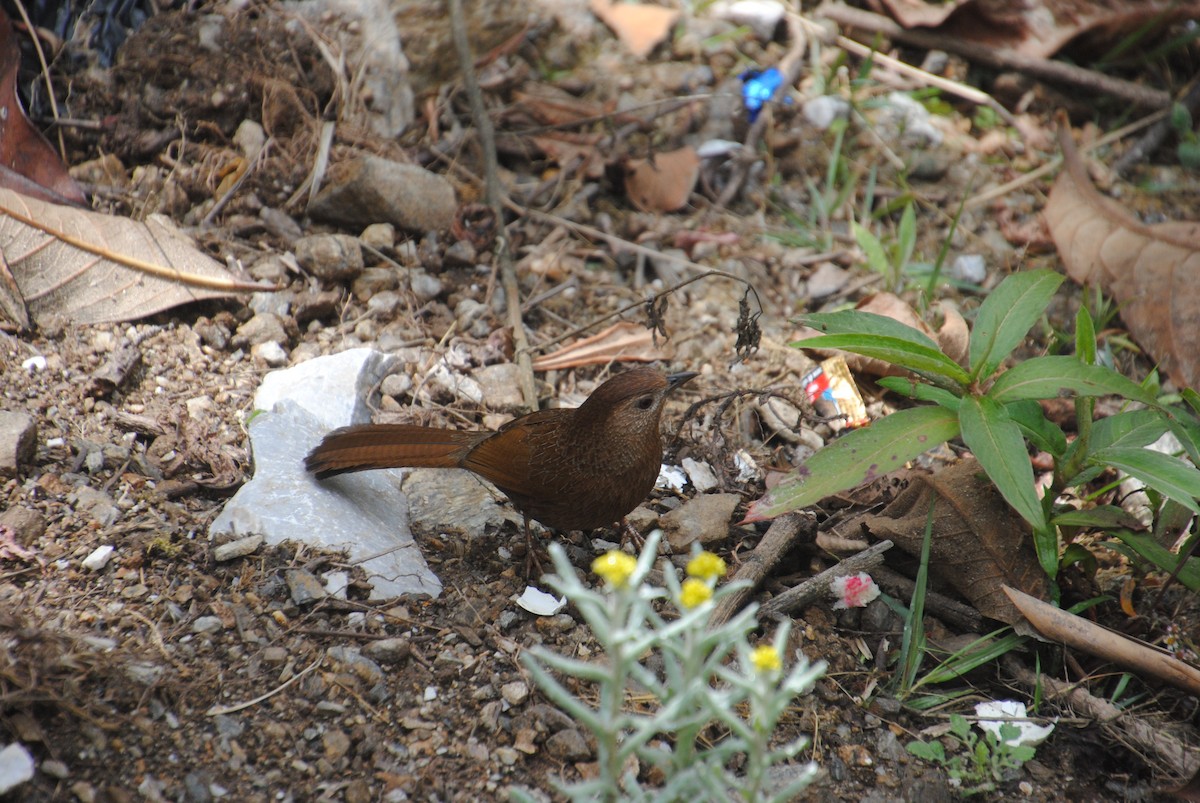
point(1153, 272)
point(623, 341)
point(1038, 27)
point(662, 184)
point(93, 268)
point(1058, 625)
point(575, 151)
point(641, 28)
point(979, 542)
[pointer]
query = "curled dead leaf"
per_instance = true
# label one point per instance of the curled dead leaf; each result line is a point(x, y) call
point(623, 341)
point(662, 184)
point(641, 28)
point(1152, 271)
point(93, 268)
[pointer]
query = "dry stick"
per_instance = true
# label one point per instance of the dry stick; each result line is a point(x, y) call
point(1142, 735)
point(939, 605)
point(495, 200)
point(815, 588)
point(1000, 59)
point(968, 93)
point(1150, 141)
point(770, 550)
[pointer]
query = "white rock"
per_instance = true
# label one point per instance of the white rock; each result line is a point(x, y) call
point(99, 558)
point(539, 603)
point(16, 767)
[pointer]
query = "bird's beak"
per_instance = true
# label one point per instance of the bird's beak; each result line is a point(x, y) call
point(675, 380)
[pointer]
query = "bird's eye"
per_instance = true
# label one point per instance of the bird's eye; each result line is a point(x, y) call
point(645, 403)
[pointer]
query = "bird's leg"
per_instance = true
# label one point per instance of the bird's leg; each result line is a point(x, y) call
point(533, 565)
point(631, 536)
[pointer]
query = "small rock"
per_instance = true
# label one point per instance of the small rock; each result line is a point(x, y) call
point(94, 505)
point(271, 353)
point(18, 439)
point(262, 328)
point(207, 624)
point(381, 236)
point(99, 558)
point(384, 303)
point(425, 286)
point(388, 650)
point(396, 385)
point(26, 525)
point(822, 111)
point(501, 387)
point(461, 254)
point(16, 767)
point(332, 257)
point(515, 693)
point(336, 584)
point(55, 769)
point(358, 791)
point(336, 745)
point(304, 587)
point(283, 226)
point(970, 268)
point(237, 549)
point(568, 745)
point(369, 189)
point(274, 655)
point(704, 519)
point(507, 755)
point(84, 792)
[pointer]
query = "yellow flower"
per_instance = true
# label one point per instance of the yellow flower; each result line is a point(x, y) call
point(694, 592)
point(766, 659)
point(706, 566)
point(615, 567)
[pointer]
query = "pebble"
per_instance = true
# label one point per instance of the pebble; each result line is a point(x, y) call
point(304, 587)
point(568, 745)
point(18, 440)
point(332, 257)
point(262, 328)
point(388, 650)
point(700, 473)
point(371, 189)
point(207, 624)
point(396, 385)
point(970, 268)
point(237, 549)
point(358, 791)
point(703, 518)
point(16, 767)
point(271, 353)
point(27, 525)
point(379, 235)
point(507, 755)
point(274, 655)
point(99, 558)
point(336, 745)
point(55, 769)
point(515, 693)
point(425, 286)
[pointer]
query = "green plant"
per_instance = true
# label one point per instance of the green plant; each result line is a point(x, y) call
point(985, 759)
point(996, 414)
point(890, 261)
point(1188, 149)
point(706, 676)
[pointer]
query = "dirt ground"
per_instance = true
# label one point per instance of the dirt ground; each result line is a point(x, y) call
point(169, 675)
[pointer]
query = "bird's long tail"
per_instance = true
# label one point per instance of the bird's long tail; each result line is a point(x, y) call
point(370, 446)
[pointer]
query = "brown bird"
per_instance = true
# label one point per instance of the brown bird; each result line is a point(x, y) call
point(570, 469)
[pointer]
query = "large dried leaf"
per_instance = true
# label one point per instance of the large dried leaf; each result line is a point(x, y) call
point(1038, 27)
point(663, 183)
point(979, 543)
point(1153, 272)
point(93, 268)
point(641, 28)
point(623, 341)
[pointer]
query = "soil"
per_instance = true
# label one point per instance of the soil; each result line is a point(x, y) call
point(169, 675)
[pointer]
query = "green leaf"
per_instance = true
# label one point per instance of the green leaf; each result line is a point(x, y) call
point(1085, 336)
point(1168, 475)
point(997, 444)
point(858, 457)
point(872, 248)
point(1166, 560)
point(1006, 316)
point(1041, 431)
point(1049, 377)
point(857, 322)
point(1104, 517)
point(1132, 428)
point(921, 391)
point(907, 235)
point(904, 353)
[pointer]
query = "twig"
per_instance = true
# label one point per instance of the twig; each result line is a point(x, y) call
point(216, 711)
point(1149, 142)
point(814, 588)
point(774, 545)
point(1001, 59)
point(495, 199)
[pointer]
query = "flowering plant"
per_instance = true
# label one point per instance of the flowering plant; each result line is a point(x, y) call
point(706, 674)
